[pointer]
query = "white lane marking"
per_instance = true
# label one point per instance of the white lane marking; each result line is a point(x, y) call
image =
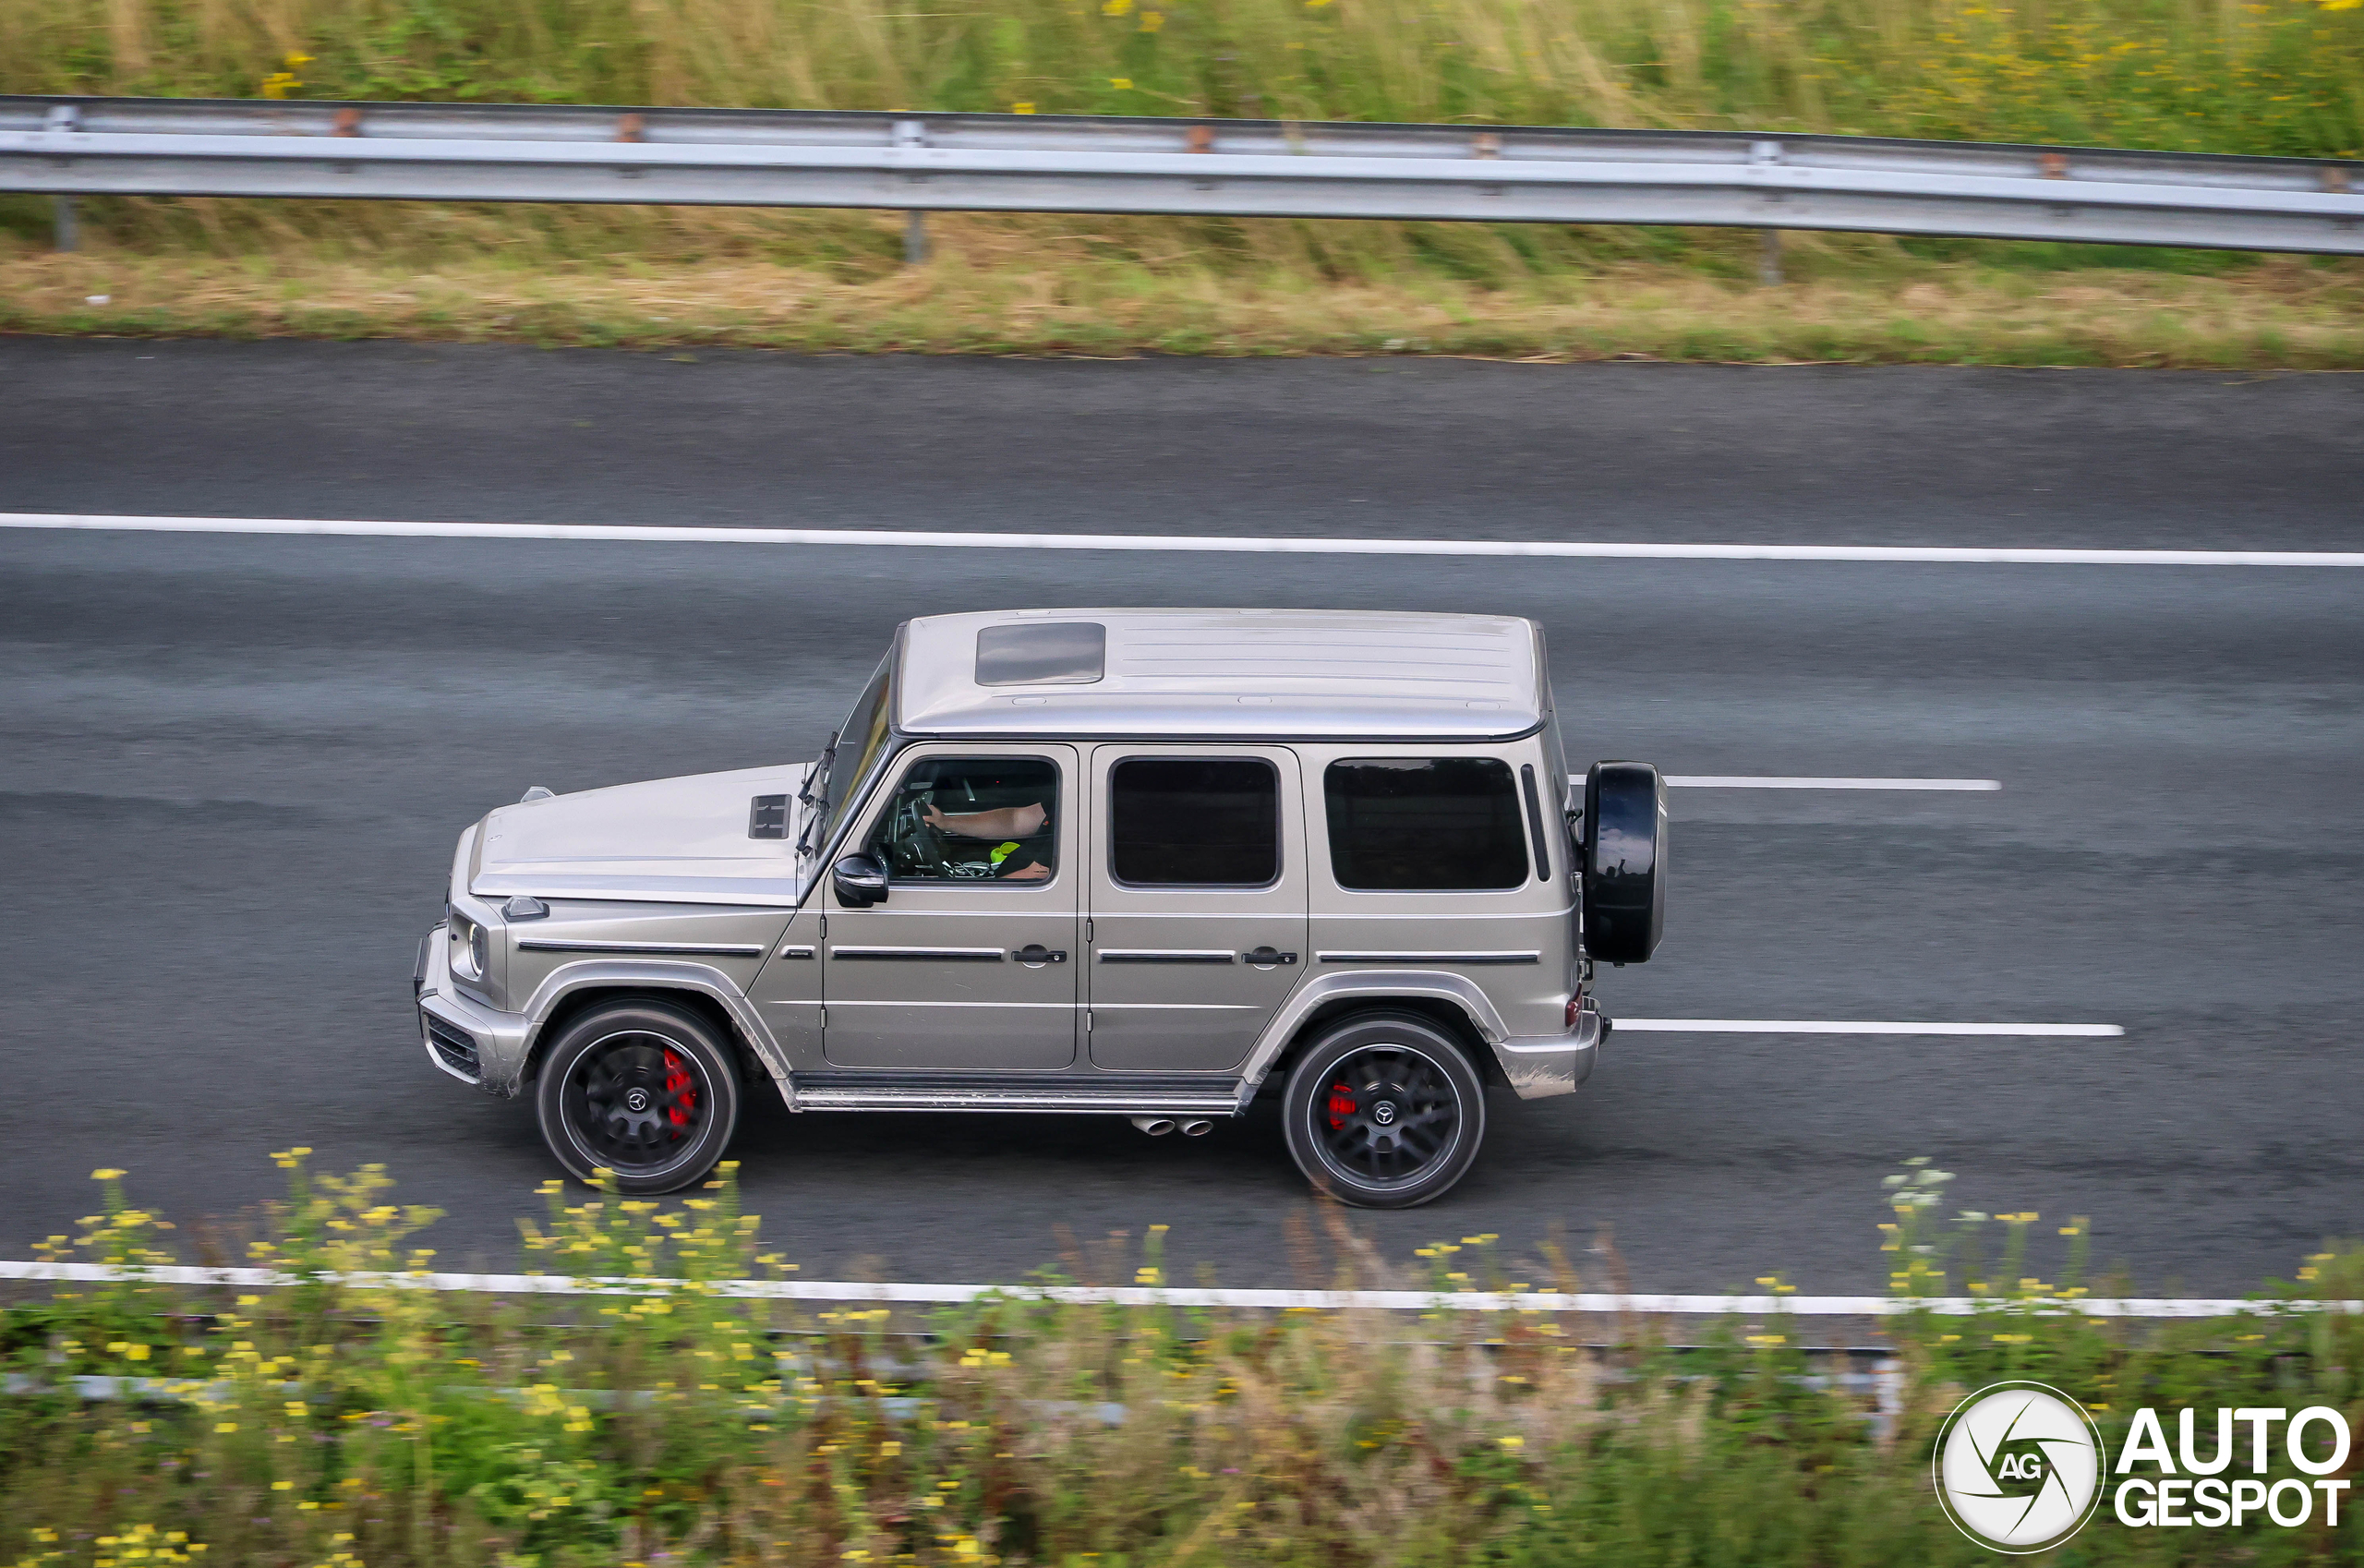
point(1764, 781)
point(1848, 1026)
point(1191, 1295)
point(916, 540)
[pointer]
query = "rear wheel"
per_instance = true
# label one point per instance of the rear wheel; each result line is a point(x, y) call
point(1384, 1112)
point(643, 1090)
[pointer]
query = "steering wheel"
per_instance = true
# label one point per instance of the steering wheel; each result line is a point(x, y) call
point(914, 840)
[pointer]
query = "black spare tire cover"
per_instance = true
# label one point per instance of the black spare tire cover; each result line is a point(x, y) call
point(1624, 869)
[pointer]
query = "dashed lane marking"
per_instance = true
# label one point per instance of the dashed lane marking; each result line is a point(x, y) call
point(1775, 781)
point(1850, 1026)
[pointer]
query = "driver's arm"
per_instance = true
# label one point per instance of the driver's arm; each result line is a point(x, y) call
point(1010, 821)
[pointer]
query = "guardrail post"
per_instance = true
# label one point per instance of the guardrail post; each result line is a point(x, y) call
point(68, 233)
point(913, 133)
point(1766, 154)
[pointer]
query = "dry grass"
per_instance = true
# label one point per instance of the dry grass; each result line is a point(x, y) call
point(1072, 287)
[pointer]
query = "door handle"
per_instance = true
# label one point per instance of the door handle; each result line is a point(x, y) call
point(1265, 958)
point(1035, 955)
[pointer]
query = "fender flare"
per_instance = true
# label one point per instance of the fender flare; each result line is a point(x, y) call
point(1379, 985)
point(658, 975)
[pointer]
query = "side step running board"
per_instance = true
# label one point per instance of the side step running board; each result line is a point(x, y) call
point(1129, 1094)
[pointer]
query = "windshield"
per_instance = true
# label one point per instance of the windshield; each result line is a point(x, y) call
point(855, 748)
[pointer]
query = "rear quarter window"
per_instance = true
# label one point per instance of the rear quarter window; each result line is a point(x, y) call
point(1424, 824)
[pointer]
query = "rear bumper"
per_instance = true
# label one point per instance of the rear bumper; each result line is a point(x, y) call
point(476, 1045)
point(1539, 1066)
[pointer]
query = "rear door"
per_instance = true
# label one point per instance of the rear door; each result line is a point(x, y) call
point(970, 963)
point(1196, 902)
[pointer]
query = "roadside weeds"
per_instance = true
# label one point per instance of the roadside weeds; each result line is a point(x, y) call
point(340, 1425)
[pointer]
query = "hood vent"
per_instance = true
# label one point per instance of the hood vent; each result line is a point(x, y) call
point(768, 818)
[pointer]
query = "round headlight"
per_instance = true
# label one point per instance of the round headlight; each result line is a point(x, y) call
point(468, 948)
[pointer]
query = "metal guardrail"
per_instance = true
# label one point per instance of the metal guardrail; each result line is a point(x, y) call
point(1246, 168)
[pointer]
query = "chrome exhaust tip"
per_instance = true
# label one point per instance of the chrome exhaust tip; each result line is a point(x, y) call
point(1156, 1127)
point(1196, 1127)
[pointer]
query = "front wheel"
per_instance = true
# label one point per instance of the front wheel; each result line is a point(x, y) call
point(1384, 1112)
point(644, 1090)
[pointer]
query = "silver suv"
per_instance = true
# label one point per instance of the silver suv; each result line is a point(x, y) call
point(1148, 863)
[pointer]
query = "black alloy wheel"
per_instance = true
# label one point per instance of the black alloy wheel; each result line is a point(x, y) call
point(1384, 1111)
point(643, 1090)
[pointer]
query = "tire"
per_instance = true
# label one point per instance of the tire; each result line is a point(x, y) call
point(646, 1090)
point(1360, 1088)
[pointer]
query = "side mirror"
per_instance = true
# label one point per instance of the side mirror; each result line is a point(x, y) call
point(860, 881)
point(1625, 862)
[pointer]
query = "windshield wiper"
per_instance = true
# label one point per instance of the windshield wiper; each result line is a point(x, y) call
point(818, 777)
point(814, 795)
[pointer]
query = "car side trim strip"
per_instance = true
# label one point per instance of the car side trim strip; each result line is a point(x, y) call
point(1168, 956)
point(669, 950)
point(1518, 957)
point(953, 955)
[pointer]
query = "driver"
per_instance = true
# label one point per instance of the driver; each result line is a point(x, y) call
point(1013, 827)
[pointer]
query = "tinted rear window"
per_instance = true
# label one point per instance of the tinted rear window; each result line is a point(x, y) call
point(1194, 822)
point(1424, 823)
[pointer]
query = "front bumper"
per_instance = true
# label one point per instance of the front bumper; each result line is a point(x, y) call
point(479, 1046)
point(1539, 1066)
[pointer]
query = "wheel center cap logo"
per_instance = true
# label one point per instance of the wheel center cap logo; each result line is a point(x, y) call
point(1383, 1112)
point(2018, 1467)
point(636, 1101)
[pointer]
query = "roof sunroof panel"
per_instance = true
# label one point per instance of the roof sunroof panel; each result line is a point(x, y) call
point(1042, 653)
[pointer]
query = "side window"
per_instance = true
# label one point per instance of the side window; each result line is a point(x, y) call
point(1424, 823)
point(972, 819)
point(1194, 822)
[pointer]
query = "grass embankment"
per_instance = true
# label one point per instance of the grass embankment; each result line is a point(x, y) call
point(342, 1425)
point(2232, 76)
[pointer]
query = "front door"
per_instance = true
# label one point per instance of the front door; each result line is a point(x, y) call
point(970, 964)
point(1196, 903)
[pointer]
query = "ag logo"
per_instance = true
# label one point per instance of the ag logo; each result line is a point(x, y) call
point(2018, 1467)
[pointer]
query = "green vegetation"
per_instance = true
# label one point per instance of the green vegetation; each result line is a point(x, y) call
point(2229, 76)
point(344, 1425)
point(2226, 75)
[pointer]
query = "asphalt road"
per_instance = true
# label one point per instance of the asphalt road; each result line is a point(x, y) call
point(231, 769)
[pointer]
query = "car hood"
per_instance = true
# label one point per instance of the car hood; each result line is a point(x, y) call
point(668, 840)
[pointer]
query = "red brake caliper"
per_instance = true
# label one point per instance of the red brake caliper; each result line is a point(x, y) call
point(681, 1089)
point(1342, 1105)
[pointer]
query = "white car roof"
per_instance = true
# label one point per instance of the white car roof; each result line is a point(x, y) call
point(1233, 673)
